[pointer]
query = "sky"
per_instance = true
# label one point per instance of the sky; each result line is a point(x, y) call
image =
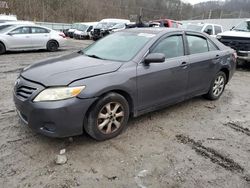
point(194, 1)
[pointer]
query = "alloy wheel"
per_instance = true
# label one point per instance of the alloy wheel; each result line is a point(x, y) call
point(110, 118)
point(218, 86)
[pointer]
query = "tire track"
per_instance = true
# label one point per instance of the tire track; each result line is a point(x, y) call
point(214, 156)
point(238, 128)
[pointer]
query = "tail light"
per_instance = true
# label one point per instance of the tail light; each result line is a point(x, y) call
point(62, 35)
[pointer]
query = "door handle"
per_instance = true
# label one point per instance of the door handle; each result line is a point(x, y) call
point(183, 64)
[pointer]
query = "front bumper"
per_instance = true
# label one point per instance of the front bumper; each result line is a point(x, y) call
point(244, 55)
point(54, 119)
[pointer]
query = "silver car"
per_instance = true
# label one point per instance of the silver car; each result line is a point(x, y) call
point(30, 37)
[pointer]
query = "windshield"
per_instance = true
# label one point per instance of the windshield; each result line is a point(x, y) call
point(6, 29)
point(74, 26)
point(243, 26)
point(122, 46)
point(194, 27)
point(105, 25)
point(82, 27)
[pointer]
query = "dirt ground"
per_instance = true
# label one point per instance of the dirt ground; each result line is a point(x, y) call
point(197, 143)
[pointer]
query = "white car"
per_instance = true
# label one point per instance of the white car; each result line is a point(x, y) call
point(84, 29)
point(30, 37)
point(210, 29)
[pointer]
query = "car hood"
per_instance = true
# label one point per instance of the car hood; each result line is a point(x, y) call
point(64, 70)
point(235, 34)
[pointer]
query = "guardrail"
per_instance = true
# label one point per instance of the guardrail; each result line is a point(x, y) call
point(55, 26)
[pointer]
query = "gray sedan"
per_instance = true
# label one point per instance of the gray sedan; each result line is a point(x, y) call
point(125, 74)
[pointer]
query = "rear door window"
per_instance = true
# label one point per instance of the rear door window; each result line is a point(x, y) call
point(37, 30)
point(197, 44)
point(171, 46)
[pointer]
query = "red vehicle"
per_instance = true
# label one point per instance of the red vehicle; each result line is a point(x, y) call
point(168, 23)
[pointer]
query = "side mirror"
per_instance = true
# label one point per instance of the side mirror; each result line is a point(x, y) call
point(155, 58)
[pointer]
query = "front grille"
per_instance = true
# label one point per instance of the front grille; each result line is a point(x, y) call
point(25, 92)
point(237, 43)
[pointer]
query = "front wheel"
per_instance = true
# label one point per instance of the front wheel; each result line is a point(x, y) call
point(108, 117)
point(217, 87)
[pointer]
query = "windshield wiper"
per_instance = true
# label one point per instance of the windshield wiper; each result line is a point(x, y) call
point(241, 30)
point(94, 56)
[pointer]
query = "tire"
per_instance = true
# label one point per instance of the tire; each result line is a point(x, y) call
point(217, 87)
point(108, 117)
point(2, 48)
point(52, 46)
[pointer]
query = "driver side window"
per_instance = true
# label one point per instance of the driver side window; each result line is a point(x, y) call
point(171, 46)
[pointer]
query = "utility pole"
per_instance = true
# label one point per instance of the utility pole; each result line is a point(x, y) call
point(141, 12)
point(240, 13)
point(221, 13)
point(43, 12)
point(210, 14)
point(181, 11)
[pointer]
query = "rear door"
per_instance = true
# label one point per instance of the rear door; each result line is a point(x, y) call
point(203, 61)
point(19, 38)
point(40, 36)
point(163, 83)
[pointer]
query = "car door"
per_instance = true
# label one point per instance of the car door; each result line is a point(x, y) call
point(203, 58)
point(19, 38)
point(40, 36)
point(163, 83)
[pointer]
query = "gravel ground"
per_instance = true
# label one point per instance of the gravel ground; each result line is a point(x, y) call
point(197, 143)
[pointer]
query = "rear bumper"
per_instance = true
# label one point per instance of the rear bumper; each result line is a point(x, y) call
point(54, 119)
point(63, 42)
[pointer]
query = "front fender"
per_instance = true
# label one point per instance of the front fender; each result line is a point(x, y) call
point(124, 80)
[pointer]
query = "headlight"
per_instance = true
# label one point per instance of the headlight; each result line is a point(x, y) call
point(59, 93)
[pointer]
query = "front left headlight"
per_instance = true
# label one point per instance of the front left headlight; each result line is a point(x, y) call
point(58, 93)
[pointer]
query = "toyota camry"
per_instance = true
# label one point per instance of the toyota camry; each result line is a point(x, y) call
point(126, 74)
